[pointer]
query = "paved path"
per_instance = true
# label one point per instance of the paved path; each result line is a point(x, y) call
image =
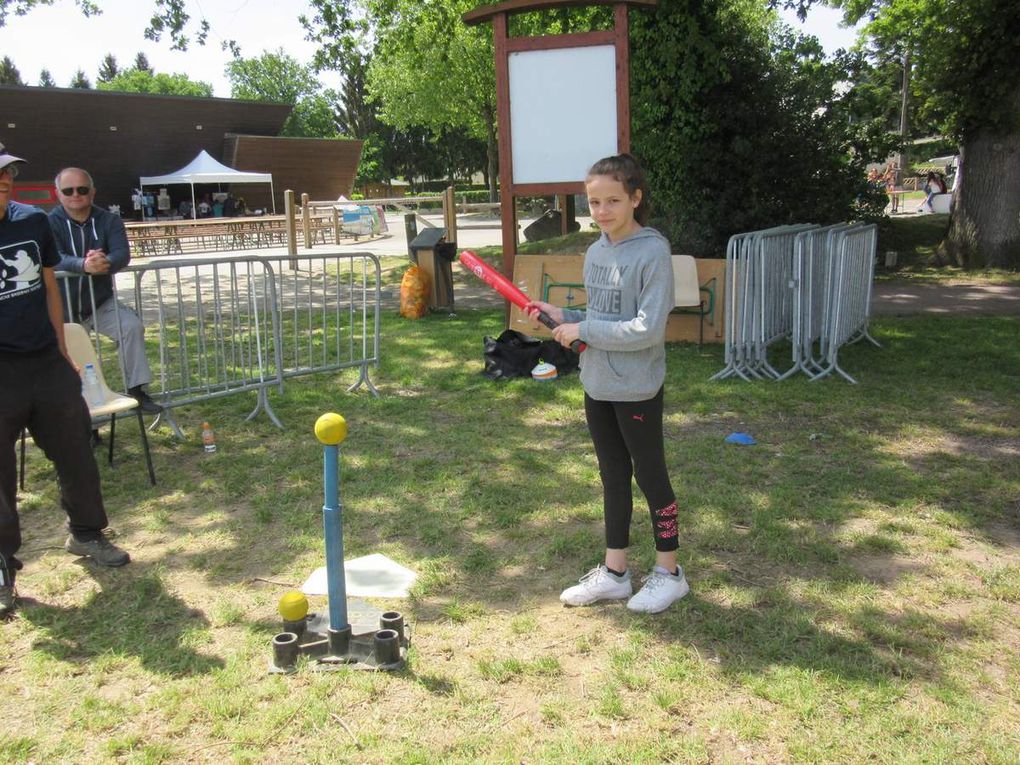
point(908, 298)
point(890, 298)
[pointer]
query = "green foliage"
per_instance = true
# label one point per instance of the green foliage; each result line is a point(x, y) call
point(46, 79)
point(281, 78)
point(108, 69)
point(963, 53)
point(734, 120)
point(431, 70)
point(422, 98)
point(80, 80)
point(963, 86)
point(9, 74)
point(141, 81)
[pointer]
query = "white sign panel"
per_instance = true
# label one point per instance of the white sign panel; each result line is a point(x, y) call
point(562, 112)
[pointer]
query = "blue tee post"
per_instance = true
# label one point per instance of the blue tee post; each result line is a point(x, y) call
point(331, 429)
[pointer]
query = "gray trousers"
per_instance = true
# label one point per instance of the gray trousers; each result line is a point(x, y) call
point(131, 339)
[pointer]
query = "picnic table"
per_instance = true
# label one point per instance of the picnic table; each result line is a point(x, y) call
point(214, 234)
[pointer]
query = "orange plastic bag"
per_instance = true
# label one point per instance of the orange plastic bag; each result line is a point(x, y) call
point(414, 290)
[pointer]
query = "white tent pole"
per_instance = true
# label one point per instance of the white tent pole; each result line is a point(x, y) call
point(272, 194)
point(194, 212)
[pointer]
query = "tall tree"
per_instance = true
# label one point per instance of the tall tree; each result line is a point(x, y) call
point(108, 69)
point(9, 74)
point(80, 81)
point(142, 63)
point(427, 69)
point(141, 81)
point(736, 121)
point(46, 79)
point(964, 82)
point(279, 77)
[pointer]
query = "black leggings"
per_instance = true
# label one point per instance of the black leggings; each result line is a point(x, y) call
point(628, 443)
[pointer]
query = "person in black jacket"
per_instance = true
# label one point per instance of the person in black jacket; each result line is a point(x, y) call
point(93, 242)
point(40, 389)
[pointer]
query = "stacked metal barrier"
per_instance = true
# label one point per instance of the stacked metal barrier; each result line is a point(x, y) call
point(851, 263)
point(759, 306)
point(234, 325)
point(808, 284)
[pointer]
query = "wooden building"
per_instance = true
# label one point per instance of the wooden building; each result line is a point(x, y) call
point(119, 137)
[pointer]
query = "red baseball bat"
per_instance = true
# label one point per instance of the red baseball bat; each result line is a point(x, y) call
point(509, 290)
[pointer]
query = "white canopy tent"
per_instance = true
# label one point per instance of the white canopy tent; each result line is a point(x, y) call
point(205, 169)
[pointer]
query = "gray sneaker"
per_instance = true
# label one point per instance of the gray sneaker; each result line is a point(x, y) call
point(102, 551)
point(8, 595)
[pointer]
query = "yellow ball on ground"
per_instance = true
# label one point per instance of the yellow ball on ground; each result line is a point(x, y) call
point(293, 606)
point(331, 429)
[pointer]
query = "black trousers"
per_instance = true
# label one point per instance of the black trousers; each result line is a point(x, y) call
point(628, 443)
point(42, 392)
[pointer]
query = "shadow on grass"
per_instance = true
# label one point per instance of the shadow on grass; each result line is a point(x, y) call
point(473, 482)
point(131, 616)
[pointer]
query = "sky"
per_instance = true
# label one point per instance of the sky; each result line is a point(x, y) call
point(61, 39)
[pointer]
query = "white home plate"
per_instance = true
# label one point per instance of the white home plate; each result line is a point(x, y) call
point(370, 576)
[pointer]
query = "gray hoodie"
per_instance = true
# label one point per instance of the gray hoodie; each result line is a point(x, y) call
point(630, 294)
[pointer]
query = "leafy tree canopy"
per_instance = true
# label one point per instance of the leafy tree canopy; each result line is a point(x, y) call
point(46, 79)
point(140, 81)
point(108, 69)
point(80, 80)
point(9, 74)
point(280, 78)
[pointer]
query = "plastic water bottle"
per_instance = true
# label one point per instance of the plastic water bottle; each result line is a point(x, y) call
point(90, 387)
point(208, 438)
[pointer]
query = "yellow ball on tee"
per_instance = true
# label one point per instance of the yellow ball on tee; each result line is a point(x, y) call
point(331, 429)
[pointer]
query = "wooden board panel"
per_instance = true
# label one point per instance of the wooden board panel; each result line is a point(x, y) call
point(551, 277)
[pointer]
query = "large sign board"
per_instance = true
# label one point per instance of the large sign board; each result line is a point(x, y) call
point(563, 112)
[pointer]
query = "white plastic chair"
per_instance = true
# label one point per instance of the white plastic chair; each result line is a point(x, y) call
point(687, 291)
point(82, 352)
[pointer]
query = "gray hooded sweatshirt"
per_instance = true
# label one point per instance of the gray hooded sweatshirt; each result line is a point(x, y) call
point(630, 294)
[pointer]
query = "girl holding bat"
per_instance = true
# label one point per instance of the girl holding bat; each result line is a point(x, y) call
point(628, 277)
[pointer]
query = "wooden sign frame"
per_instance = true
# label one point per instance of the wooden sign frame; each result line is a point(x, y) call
point(504, 46)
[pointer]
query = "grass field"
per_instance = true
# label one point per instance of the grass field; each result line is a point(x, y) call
point(855, 576)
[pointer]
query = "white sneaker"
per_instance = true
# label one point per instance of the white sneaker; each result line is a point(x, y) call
point(598, 584)
point(660, 591)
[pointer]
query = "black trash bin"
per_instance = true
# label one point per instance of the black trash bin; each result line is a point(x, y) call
point(435, 256)
point(410, 231)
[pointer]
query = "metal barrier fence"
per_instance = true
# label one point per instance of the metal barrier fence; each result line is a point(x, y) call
point(329, 306)
point(218, 329)
point(233, 325)
point(805, 283)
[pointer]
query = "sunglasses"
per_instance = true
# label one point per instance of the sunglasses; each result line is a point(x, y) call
point(82, 190)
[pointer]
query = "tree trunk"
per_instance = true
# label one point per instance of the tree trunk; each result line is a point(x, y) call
point(984, 230)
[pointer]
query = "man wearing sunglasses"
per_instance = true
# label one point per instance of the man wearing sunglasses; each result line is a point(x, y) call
point(93, 242)
point(40, 389)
